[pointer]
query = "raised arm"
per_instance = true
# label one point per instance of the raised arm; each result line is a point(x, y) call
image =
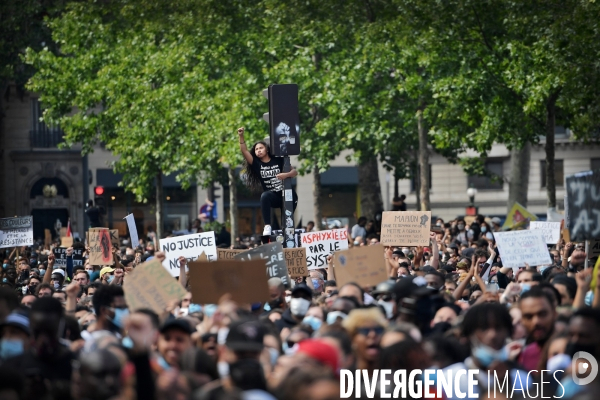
point(243, 146)
point(435, 252)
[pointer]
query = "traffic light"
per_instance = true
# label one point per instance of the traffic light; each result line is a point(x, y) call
point(99, 199)
point(283, 119)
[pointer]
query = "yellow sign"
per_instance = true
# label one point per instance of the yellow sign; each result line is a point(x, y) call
point(518, 218)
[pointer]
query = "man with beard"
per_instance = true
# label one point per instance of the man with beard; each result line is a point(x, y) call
point(276, 295)
point(46, 366)
point(538, 317)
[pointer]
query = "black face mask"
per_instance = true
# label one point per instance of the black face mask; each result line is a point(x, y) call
point(247, 374)
point(573, 348)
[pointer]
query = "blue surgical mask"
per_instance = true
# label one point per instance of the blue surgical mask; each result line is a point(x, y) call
point(120, 314)
point(525, 287)
point(209, 309)
point(10, 348)
point(5, 265)
point(333, 316)
point(273, 355)
point(42, 272)
point(315, 283)
point(486, 355)
point(110, 278)
point(483, 229)
point(313, 322)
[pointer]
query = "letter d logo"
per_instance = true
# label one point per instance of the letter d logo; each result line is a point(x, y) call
point(584, 362)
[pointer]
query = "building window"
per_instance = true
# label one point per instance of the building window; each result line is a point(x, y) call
point(492, 180)
point(42, 135)
point(559, 174)
point(415, 176)
point(595, 163)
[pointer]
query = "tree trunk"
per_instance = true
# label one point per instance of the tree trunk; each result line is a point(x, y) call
point(159, 206)
point(519, 176)
point(233, 207)
point(318, 215)
point(396, 188)
point(370, 189)
point(550, 178)
point(423, 163)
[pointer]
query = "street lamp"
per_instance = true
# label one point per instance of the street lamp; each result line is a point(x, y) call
point(471, 192)
point(471, 209)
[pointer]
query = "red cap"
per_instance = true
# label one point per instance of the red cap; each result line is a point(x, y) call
point(322, 352)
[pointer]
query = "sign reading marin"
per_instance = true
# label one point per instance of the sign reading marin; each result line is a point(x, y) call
point(284, 120)
point(583, 198)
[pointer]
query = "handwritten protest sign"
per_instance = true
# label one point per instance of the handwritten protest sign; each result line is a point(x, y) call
point(228, 254)
point(114, 239)
point(273, 255)
point(321, 244)
point(100, 246)
point(60, 255)
point(583, 197)
point(66, 241)
point(550, 230)
point(188, 246)
point(150, 286)
point(518, 248)
point(17, 231)
point(405, 228)
point(295, 259)
point(243, 280)
point(363, 265)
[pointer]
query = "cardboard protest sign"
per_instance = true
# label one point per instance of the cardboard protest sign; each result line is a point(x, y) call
point(405, 228)
point(518, 248)
point(188, 246)
point(550, 230)
point(100, 246)
point(243, 280)
point(363, 265)
point(295, 259)
point(17, 231)
point(66, 241)
point(518, 217)
point(583, 192)
point(321, 244)
point(47, 237)
point(133, 234)
point(114, 239)
point(228, 254)
point(273, 255)
point(150, 286)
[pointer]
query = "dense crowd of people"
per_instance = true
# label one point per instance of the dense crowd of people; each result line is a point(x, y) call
point(67, 332)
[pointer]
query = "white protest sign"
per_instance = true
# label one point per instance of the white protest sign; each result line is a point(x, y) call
point(550, 230)
point(518, 248)
point(133, 234)
point(189, 246)
point(17, 231)
point(321, 244)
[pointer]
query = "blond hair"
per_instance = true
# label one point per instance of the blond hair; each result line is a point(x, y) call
point(364, 316)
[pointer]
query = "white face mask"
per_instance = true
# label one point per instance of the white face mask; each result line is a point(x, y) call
point(389, 308)
point(288, 299)
point(299, 306)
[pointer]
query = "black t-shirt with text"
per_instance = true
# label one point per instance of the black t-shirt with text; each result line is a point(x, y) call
point(268, 173)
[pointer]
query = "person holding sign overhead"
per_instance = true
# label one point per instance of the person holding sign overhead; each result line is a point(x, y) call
point(264, 171)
